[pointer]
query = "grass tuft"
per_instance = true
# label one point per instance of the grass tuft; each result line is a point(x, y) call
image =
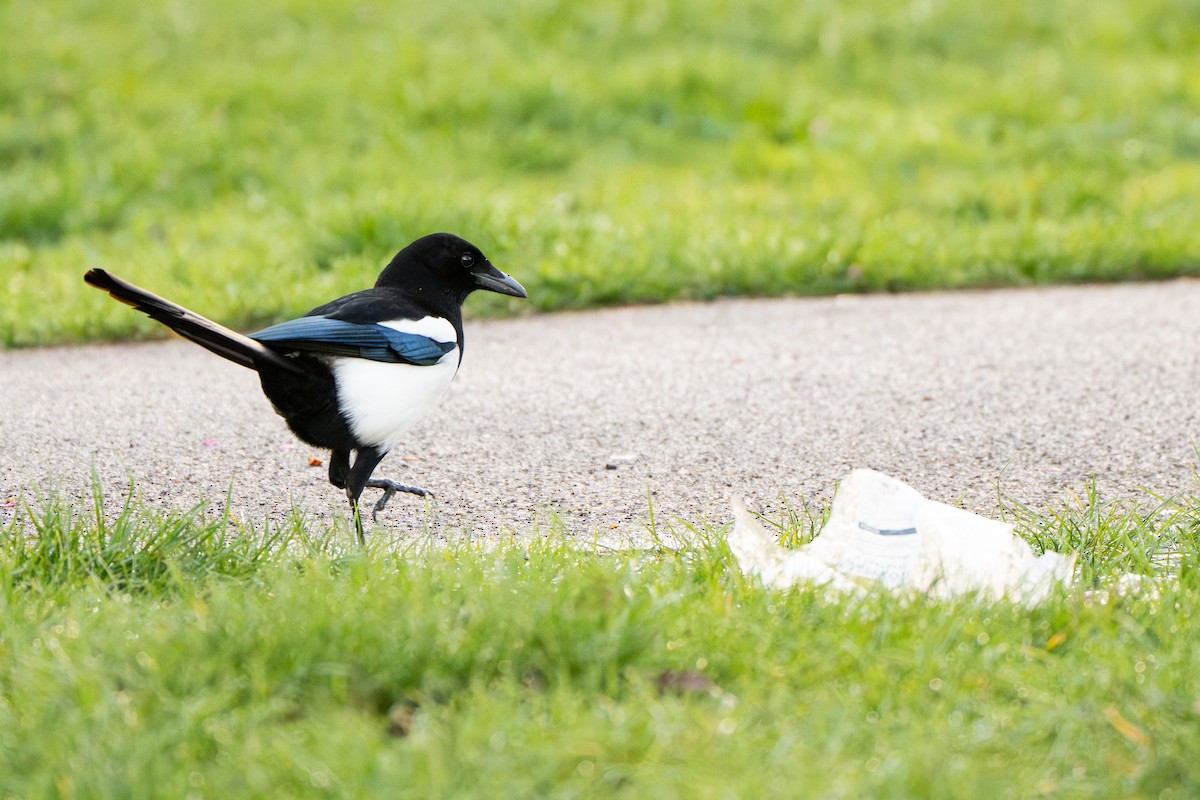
point(1151, 536)
point(49, 546)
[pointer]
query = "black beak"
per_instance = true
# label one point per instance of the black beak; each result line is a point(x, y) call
point(493, 280)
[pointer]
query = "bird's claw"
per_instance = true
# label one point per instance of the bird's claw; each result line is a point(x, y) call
point(389, 489)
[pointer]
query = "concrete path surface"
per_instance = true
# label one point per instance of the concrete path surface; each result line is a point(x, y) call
point(1034, 391)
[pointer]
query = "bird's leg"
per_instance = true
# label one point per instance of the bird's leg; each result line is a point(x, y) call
point(339, 468)
point(358, 526)
point(365, 461)
point(359, 477)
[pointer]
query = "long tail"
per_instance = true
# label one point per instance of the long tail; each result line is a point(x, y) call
point(221, 340)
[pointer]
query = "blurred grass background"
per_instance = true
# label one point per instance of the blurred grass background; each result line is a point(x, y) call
point(253, 160)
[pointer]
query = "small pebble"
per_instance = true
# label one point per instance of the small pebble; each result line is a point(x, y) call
point(620, 458)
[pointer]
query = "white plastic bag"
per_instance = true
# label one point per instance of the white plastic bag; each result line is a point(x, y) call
point(882, 531)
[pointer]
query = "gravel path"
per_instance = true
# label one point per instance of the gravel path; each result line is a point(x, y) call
point(954, 392)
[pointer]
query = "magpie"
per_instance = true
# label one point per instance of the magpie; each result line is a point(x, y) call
point(356, 373)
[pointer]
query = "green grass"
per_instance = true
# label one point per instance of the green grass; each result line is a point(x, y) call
point(143, 656)
point(254, 159)
point(602, 152)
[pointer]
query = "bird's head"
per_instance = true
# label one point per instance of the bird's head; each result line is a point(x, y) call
point(456, 265)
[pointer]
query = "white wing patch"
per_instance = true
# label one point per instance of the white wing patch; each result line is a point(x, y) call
point(381, 401)
point(433, 327)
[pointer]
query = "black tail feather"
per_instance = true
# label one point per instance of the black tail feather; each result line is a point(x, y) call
point(217, 338)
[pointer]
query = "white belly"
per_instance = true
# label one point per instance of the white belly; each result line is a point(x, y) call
point(381, 401)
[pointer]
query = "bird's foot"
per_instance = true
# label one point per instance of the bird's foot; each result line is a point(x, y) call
point(389, 489)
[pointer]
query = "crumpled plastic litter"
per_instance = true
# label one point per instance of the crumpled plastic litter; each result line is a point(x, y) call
point(882, 532)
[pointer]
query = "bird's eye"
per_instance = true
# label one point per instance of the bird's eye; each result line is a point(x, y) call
point(467, 260)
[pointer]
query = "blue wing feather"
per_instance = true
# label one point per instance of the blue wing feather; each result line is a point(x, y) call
point(371, 341)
